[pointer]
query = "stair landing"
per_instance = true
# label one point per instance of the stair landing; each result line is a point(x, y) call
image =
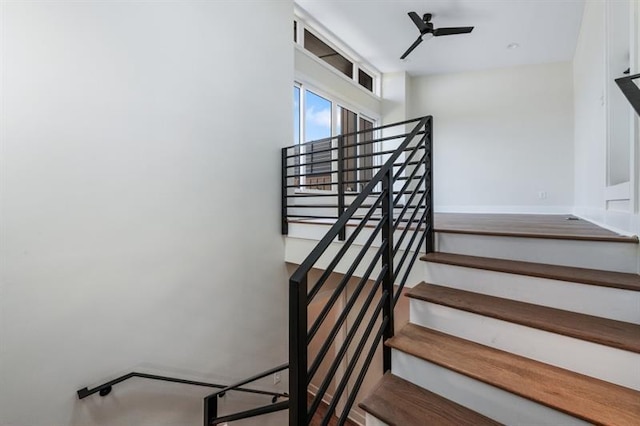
point(566, 226)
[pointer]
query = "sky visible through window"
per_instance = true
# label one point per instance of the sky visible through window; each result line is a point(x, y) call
point(317, 117)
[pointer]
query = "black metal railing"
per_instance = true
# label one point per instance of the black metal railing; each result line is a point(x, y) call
point(211, 416)
point(394, 205)
point(630, 90)
point(321, 178)
point(210, 402)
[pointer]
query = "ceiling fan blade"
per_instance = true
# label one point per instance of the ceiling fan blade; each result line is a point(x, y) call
point(452, 31)
point(413, 46)
point(418, 21)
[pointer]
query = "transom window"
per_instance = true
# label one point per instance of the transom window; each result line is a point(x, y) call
point(314, 44)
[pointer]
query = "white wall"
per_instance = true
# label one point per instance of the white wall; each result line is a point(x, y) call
point(590, 115)
point(500, 138)
point(140, 207)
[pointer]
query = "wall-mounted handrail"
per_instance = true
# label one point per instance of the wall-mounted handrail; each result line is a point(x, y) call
point(106, 388)
point(630, 90)
point(211, 401)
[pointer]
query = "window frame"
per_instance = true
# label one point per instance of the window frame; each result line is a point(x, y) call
point(336, 104)
point(301, 26)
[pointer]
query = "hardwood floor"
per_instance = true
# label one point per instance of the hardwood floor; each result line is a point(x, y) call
point(526, 225)
point(565, 227)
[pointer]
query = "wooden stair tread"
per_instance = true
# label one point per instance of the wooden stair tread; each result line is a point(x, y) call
point(527, 226)
point(597, 277)
point(587, 398)
point(617, 334)
point(398, 402)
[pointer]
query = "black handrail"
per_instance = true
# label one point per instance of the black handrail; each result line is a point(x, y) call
point(630, 90)
point(211, 401)
point(389, 211)
point(106, 388)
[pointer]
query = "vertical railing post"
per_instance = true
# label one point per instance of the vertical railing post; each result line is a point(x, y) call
point(298, 352)
point(430, 240)
point(210, 409)
point(387, 261)
point(285, 190)
point(341, 206)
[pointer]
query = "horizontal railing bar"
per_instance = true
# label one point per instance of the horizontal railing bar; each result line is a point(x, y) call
point(324, 173)
point(363, 372)
point(345, 280)
point(340, 355)
point(343, 250)
point(83, 393)
point(386, 126)
point(373, 154)
point(355, 169)
point(334, 194)
point(312, 194)
point(301, 216)
point(266, 409)
point(306, 185)
point(364, 206)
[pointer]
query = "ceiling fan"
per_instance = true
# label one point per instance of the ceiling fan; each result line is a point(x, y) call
point(426, 27)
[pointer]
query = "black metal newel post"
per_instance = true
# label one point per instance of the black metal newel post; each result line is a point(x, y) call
point(430, 240)
point(210, 409)
point(342, 235)
point(298, 351)
point(285, 223)
point(387, 261)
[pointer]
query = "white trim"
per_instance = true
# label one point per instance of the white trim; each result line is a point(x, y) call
point(505, 209)
point(334, 71)
point(619, 222)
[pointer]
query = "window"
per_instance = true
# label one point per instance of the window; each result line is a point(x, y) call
point(365, 80)
point(357, 152)
point(319, 48)
point(316, 117)
point(332, 56)
point(317, 125)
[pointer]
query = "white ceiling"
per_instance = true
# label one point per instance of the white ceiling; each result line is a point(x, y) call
point(380, 31)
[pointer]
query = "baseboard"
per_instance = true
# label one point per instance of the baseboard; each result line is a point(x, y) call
point(505, 209)
point(620, 222)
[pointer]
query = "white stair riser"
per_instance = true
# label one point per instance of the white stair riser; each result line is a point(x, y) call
point(605, 302)
point(592, 359)
point(488, 400)
point(608, 256)
point(371, 420)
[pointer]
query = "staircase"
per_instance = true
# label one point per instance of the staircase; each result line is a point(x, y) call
point(511, 326)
